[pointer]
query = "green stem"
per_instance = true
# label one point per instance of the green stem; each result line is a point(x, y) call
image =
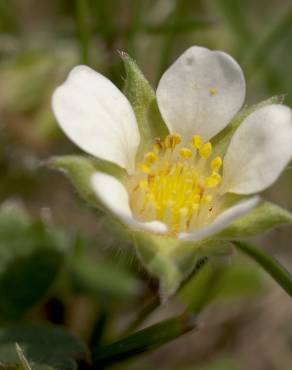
point(145, 340)
point(155, 301)
point(271, 266)
point(142, 315)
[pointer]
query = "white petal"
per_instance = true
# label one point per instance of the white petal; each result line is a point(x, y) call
point(223, 220)
point(113, 195)
point(259, 150)
point(201, 92)
point(97, 117)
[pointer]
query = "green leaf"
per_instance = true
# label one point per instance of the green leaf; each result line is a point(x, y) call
point(222, 140)
point(143, 100)
point(44, 346)
point(171, 260)
point(27, 249)
point(145, 340)
point(79, 170)
point(271, 266)
point(262, 218)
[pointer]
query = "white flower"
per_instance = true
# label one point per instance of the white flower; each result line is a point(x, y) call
point(180, 188)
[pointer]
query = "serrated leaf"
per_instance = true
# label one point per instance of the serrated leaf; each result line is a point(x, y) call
point(171, 260)
point(28, 250)
point(44, 346)
point(261, 219)
point(143, 100)
point(221, 141)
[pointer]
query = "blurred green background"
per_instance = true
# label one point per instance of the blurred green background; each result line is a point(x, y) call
point(40, 41)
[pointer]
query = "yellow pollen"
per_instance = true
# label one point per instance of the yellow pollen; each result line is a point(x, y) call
point(172, 140)
point(216, 164)
point(158, 145)
point(143, 184)
point(144, 168)
point(185, 153)
point(205, 150)
point(174, 186)
point(213, 180)
point(213, 90)
point(150, 158)
point(197, 141)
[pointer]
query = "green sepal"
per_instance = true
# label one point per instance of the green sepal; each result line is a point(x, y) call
point(264, 217)
point(171, 260)
point(79, 170)
point(221, 141)
point(143, 100)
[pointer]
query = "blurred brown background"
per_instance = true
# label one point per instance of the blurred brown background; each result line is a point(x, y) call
point(41, 40)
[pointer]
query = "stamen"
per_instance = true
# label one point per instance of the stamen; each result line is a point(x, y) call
point(213, 180)
point(173, 184)
point(185, 153)
point(216, 164)
point(197, 142)
point(150, 158)
point(206, 150)
point(158, 145)
point(144, 168)
point(172, 140)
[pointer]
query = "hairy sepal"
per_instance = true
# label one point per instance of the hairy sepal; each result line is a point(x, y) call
point(171, 261)
point(143, 100)
point(266, 216)
point(79, 169)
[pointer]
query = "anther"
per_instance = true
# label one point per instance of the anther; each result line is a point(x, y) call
point(216, 164)
point(172, 140)
point(185, 153)
point(213, 180)
point(197, 141)
point(206, 150)
point(144, 168)
point(158, 145)
point(150, 158)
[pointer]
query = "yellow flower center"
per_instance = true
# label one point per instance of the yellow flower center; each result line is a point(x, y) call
point(177, 184)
